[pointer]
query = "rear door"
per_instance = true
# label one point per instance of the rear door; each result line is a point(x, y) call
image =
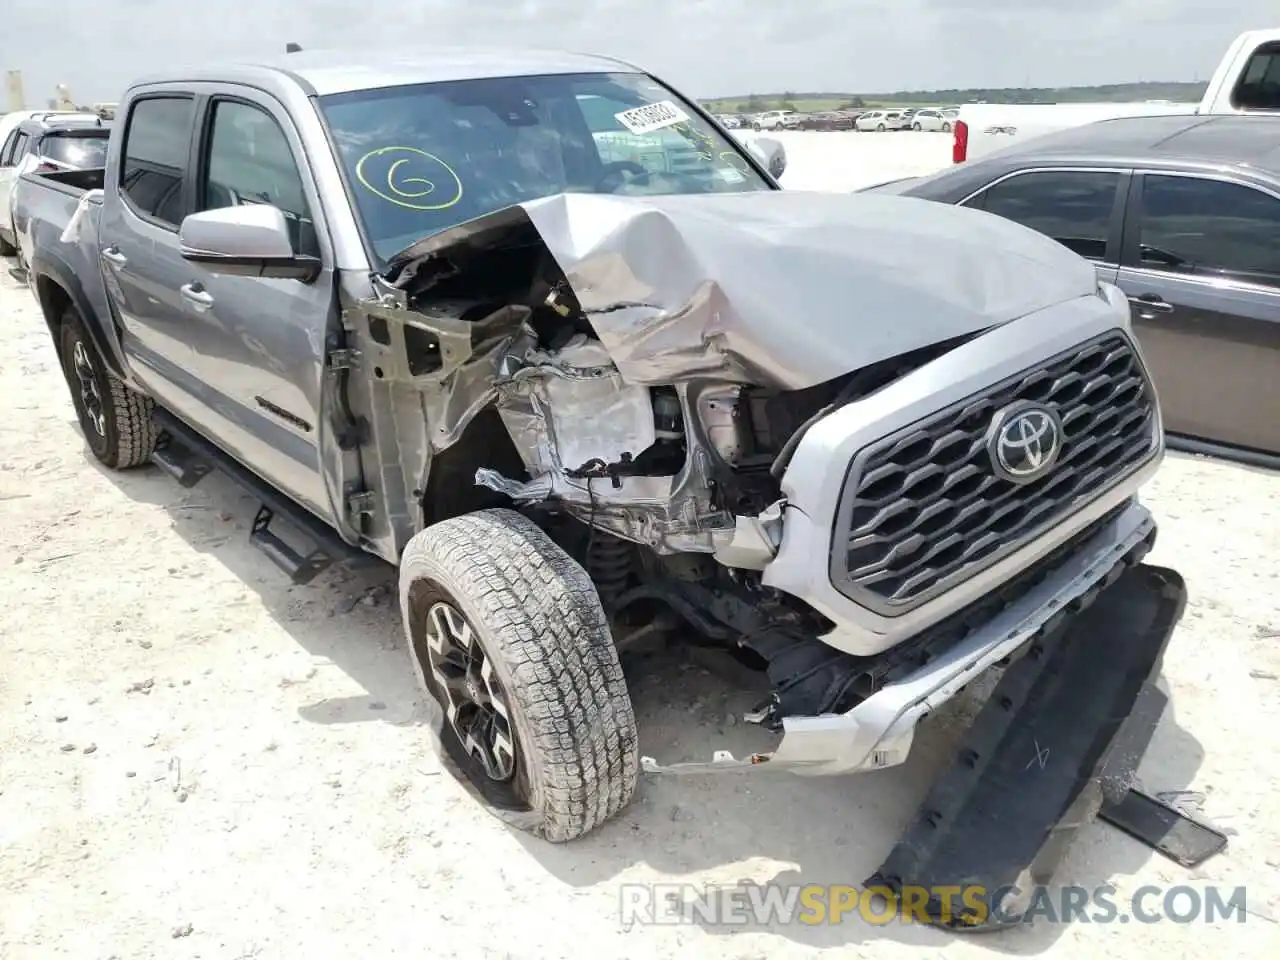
point(1201, 266)
point(1080, 207)
point(143, 208)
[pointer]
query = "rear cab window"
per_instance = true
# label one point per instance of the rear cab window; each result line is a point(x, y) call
point(1259, 85)
point(1074, 207)
point(156, 157)
point(1200, 226)
point(75, 151)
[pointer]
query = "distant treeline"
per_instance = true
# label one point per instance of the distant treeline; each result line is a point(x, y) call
point(1111, 92)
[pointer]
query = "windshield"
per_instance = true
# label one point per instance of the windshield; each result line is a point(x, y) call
point(80, 152)
point(424, 158)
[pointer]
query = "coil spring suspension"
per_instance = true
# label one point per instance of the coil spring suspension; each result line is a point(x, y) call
point(609, 564)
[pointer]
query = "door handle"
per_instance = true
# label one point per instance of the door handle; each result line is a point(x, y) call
point(195, 294)
point(114, 257)
point(1152, 303)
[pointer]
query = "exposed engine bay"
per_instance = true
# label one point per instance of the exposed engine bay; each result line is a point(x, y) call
point(649, 412)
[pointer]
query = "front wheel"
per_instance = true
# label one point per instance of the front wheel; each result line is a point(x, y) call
point(527, 700)
point(116, 421)
point(880, 127)
point(755, 127)
point(916, 127)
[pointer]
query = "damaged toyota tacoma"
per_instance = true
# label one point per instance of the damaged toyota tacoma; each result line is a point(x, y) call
point(536, 329)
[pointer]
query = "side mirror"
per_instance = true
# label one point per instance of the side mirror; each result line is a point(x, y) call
point(771, 153)
point(251, 240)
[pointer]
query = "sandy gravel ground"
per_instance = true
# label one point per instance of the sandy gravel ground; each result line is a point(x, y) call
point(199, 760)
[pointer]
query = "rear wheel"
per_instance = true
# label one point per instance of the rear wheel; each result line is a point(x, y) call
point(880, 127)
point(526, 695)
point(116, 421)
point(916, 127)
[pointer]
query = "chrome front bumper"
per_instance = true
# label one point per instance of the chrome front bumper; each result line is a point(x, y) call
point(878, 732)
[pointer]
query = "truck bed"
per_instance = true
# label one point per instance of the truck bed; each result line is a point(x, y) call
point(72, 182)
point(43, 207)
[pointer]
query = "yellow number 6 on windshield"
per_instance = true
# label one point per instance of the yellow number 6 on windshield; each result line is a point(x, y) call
point(411, 192)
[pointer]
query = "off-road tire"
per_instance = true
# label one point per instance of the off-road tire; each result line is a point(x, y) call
point(539, 621)
point(129, 435)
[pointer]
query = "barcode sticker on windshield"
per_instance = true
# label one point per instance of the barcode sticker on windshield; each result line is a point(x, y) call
point(654, 116)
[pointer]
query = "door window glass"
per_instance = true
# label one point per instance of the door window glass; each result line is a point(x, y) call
point(1073, 207)
point(1195, 225)
point(156, 151)
point(20, 148)
point(250, 161)
point(6, 151)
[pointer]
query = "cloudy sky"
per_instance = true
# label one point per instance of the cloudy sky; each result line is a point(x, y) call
point(706, 47)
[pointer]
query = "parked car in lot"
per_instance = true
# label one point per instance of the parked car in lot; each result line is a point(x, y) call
point(930, 119)
point(828, 120)
point(568, 397)
point(46, 141)
point(1183, 214)
point(772, 119)
point(880, 120)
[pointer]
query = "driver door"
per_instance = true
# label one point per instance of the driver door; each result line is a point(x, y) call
point(258, 343)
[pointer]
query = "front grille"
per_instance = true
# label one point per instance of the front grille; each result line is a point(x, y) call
point(924, 509)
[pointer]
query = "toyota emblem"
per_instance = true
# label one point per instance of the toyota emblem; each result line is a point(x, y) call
point(1024, 441)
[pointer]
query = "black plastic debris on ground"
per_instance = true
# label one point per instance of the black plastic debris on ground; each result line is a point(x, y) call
point(1064, 729)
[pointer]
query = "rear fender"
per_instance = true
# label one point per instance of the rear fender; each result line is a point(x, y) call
point(58, 287)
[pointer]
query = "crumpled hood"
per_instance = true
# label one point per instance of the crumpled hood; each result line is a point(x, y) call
point(782, 288)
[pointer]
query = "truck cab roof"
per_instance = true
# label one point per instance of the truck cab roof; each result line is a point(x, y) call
point(324, 72)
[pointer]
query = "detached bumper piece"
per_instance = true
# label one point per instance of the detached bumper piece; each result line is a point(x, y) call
point(1061, 735)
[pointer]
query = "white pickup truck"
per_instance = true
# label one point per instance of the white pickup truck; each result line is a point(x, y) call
point(1247, 80)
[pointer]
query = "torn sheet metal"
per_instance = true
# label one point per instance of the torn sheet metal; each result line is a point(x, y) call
point(555, 414)
point(71, 232)
point(784, 289)
point(594, 414)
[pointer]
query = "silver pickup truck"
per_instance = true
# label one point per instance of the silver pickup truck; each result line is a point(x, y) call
point(537, 330)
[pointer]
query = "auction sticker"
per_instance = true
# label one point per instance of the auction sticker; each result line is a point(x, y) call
point(651, 117)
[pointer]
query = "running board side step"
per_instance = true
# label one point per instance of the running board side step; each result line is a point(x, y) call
point(1062, 734)
point(189, 458)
